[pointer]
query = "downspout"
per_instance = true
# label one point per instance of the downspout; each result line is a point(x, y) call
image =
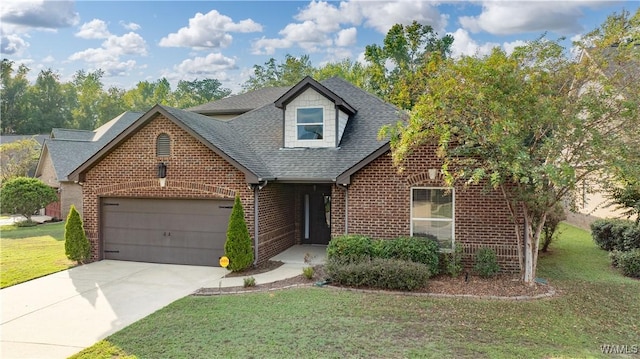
point(346, 207)
point(256, 219)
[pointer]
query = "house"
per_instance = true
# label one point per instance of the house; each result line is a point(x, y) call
point(64, 151)
point(307, 166)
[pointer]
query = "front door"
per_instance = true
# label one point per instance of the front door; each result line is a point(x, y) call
point(316, 201)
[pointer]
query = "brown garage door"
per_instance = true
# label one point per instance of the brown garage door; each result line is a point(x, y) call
point(175, 231)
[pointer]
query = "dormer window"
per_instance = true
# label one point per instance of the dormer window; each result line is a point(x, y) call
point(310, 123)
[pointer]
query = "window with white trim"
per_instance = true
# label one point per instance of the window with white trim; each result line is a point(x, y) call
point(432, 214)
point(163, 145)
point(310, 123)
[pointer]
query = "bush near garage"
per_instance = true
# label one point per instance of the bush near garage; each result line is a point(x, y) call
point(76, 245)
point(238, 247)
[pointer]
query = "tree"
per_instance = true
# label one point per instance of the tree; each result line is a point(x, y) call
point(515, 123)
point(13, 101)
point(88, 87)
point(18, 158)
point(409, 49)
point(273, 74)
point(197, 92)
point(48, 105)
point(352, 71)
point(76, 245)
point(238, 246)
point(23, 195)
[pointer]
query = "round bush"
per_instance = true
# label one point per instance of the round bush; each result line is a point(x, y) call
point(416, 249)
point(349, 248)
point(380, 273)
point(486, 262)
point(629, 263)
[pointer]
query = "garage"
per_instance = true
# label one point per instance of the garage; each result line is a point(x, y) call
point(177, 231)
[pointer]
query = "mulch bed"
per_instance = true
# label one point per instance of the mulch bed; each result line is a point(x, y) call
point(499, 287)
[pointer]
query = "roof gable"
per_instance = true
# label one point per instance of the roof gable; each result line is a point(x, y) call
point(307, 83)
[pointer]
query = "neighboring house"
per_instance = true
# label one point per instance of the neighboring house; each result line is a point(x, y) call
point(233, 106)
point(592, 200)
point(64, 151)
point(307, 166)
point(5, 139)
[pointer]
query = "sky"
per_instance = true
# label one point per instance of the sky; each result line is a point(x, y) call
point(133, 41)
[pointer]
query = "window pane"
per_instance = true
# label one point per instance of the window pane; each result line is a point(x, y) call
point(442, 231)
point(309, 132)
point(310, 115)
point(432, 203)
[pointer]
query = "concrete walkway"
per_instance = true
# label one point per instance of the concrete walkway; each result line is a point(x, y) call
point(60, 314)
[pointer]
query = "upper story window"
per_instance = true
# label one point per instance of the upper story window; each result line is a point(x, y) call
point(163, 145)
point(432, 215)
point(310, 123)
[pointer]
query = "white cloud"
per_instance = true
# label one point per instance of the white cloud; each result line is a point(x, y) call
point(108, 57)
point(94, 29)
point(12, 44)
point(327, 17)
point(210, 30)
point(132, 26)
point(127, 44)
point(346, 37)
point(39, 14)
point(383, 15)
point(511, 17)
point(509, 47)
point(464, 45)
point(214, 65)
point(48, 59)
point(265, 46)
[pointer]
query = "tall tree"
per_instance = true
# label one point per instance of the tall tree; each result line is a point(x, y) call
point(272, 74)
point(531, 125)
point(89, 91)
point(352, 71)
point(408, 49)
point(111, 105)
point(48, 105)
point(197, 92)
point(13, 100)
point(18, 158)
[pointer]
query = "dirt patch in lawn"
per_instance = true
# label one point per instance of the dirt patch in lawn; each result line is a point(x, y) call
point(503, 286)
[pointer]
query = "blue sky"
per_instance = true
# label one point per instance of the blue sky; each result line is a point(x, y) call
point(133, 41)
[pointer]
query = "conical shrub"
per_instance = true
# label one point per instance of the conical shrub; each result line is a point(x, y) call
point(76, 245)
point(238, 246)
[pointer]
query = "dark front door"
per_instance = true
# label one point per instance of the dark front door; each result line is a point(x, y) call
point(316, 201)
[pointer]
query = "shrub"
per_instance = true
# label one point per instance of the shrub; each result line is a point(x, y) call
point(486, 262)
point(308, 272)
point(76, 245)
point(24, 195)
point(630, 238)
point(629, 263)
point(609, 234)
point(382, 248)
point(451, 262)
point(249, 282)
point(554, 218)
point(416, 249)
point(238, 246)
point(614, 255)
point(380, 273)
point(349, 248)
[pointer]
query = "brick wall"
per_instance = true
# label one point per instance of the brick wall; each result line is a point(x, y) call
point(193, 171)
point(379, 206)
point(277, 229)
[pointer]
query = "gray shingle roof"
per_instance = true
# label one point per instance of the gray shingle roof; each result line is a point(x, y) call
point(70, 134)
point(238, 104)
point(69, 153)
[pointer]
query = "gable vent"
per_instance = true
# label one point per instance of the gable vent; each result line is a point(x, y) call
point(163, 145)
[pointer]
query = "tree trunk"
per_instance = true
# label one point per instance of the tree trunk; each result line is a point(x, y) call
point(531, 245)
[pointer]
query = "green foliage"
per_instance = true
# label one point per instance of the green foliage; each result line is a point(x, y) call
point(13, 99)
point(349, 248)
point(76, 245)
point(616, 234)
point(415, 249)
point(627, 199)
point(18, 158)
point(274, 74)
point(629, 263)
point(249, 282)
point(614, 255)
point(553, 219)
point(23, 195)
point(238, 247)
point(308, 272)
point(380, 273)
point(451, 262)
point(486, 262)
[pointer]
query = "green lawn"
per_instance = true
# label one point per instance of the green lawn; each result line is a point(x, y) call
point(597, 306)
point(31, 252)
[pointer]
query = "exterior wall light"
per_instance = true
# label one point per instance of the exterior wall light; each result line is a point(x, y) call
point(162, 174)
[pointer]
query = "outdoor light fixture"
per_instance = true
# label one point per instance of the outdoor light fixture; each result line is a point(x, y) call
point(162, 174)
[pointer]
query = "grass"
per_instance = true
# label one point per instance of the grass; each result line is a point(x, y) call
point(31, 252)
point(597, 306)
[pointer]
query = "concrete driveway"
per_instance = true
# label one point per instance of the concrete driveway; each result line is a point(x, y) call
point(60, 314)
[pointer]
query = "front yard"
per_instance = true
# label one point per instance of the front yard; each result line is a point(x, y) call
point(597, 309)
point(31, 252)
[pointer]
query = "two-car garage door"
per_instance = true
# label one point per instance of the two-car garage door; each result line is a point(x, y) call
point(179, 231)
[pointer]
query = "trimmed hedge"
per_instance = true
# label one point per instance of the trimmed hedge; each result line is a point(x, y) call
point(382, 273)
point(616, 234)
point(629, 263)
point(486, 262)
point(349, 248)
